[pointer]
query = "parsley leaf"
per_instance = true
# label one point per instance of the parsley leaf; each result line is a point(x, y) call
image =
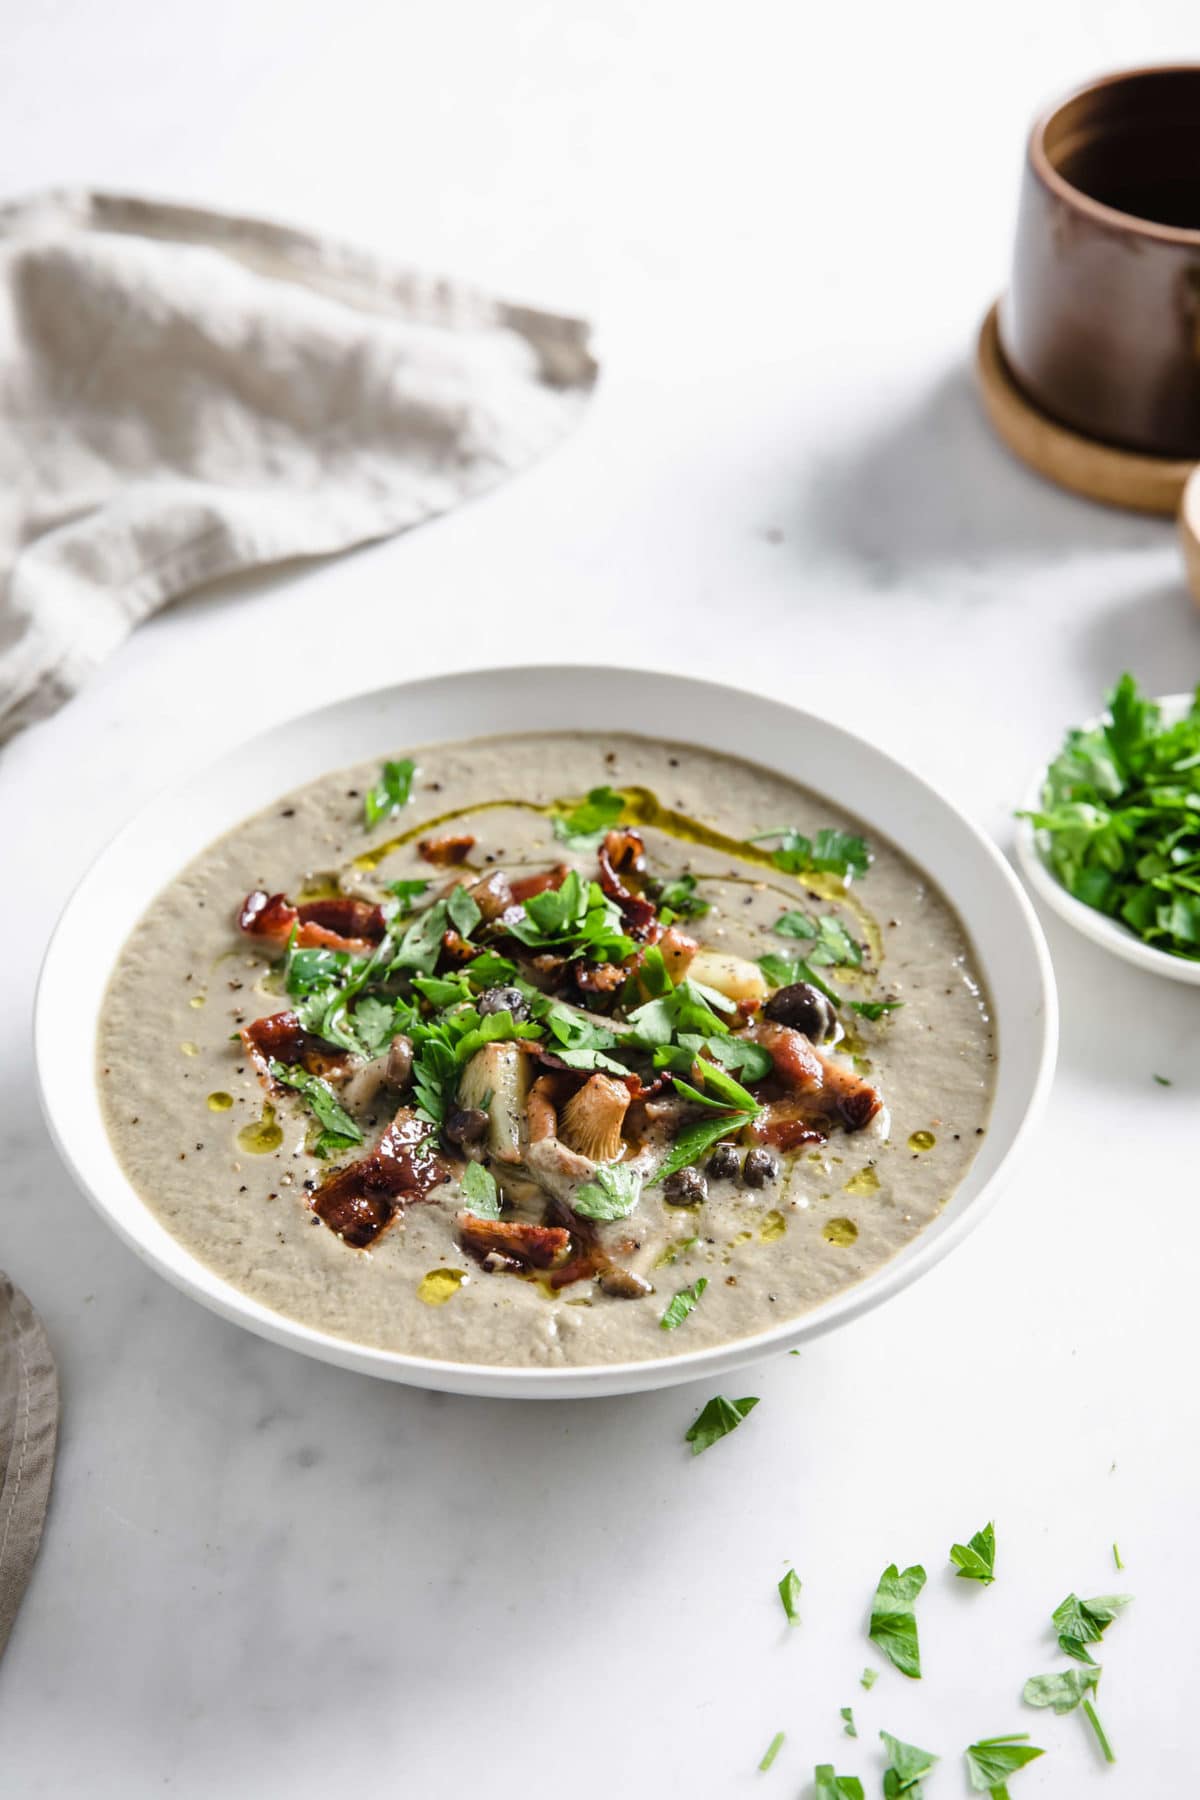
point(421, 944)
point(480, 1191)
point(1064, 1690)
point(694, 1140)
point(906, 1765)
point(789, 1594)
point(772, 1750)
point(583, 827)
point(992, 1760)
point(685, 1301)
point(717, 1420)
point(1083, 1622)
point(464, 914)
point(830, 852)
point(893, 1621)
point(612, 1193)
point(829, 1786)
point(976, 1560)
point(848, 1725)
point(679, 895)
point(868, 1678)
point(390, 792)
point(338, 1130)
point(578, 917)
point(407, 891)
point(832, 942)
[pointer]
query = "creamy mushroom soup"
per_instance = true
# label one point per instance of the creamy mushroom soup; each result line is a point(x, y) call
point(547, 1049)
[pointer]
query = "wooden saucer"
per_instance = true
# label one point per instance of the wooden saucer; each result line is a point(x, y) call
point(1152, 484)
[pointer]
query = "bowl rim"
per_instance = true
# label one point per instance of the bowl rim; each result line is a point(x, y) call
point(1110, 934)
point(1186, 237)
point(194, 1278)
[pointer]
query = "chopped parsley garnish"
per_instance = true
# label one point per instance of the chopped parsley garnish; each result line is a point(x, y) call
point(480, 1191)
point(390, 793)
point(992, 1760)
point(680, 897)
point(1120, 810)
point(789, 1594)
point(830, 852)
point(848, 1725)
point(782, 971)
point(906, 1765)
point(976, 1560)
point(1164, 1081)
point(574, 918)
point(828, 1786)
point(1117, 1558)
point(685, 1301)
point(1083, 1622)
point(584, 826)
point(338, 1130)
point(893, 1620)
point(463, 913)
point(717, 1420)
point(772, 1750)
point(407, 891)
point(612, 1193)
point(868, 1678)
point(1064, 1690)
point(832, 943)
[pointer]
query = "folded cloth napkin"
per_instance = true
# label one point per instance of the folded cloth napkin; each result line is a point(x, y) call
point(184, 394)
point(28, 1428)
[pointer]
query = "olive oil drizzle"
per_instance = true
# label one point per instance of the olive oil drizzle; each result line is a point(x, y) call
point(643, 807)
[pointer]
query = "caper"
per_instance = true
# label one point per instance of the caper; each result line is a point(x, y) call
point(686, 1187)
point(503, 999)
point(760, 1167)
point(723, 1163)
point(805, 1009)
point(465, 1125)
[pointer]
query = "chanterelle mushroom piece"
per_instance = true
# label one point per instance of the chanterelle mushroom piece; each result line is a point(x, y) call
point(591, 1120)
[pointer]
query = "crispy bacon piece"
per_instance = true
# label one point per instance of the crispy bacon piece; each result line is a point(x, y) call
point(597, 978)
point(336, 924)
point(361, 1200)
point(458, 949)
point(623, 853)
point(527, 885)
point(282, 1038)
point(786, 1126)
point(532, 1246)
point(444, 851)
point(802, 1068)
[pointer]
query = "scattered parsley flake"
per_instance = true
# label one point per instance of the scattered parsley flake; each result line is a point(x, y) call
point(612, 1193)
point(789, 1594)
point(893, 1621)
point(868, 1678)
point(585, 825)
point(848, 1725)
point(772, 1750)
point(479, 1187)
point(338, 1129)
point(907, 1763)
point(685, 1301)
point(1117, 1558)
point(391, 792)
point(829, 1786)
point(976, 1560)
point(1064, 1690)
point(1083, 1622)
point(717, 1420)
point(1164, 1081)
point(992, 1760)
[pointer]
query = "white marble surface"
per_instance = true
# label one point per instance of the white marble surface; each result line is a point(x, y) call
point(265, 1578)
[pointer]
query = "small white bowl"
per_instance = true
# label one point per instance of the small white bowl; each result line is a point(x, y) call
point(1110, 934)
point(887, 797)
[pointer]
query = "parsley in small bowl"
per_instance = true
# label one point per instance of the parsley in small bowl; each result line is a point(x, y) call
point(1110, 832)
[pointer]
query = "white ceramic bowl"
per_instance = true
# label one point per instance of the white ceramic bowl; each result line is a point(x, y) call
point(1110, 934)
point(887, 797)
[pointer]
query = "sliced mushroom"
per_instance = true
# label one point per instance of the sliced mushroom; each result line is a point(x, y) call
point(590, 1122)
point(497, 1081)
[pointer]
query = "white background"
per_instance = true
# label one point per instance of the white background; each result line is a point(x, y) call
point(262, 1577)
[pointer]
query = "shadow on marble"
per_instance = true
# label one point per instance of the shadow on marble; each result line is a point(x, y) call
point(935, 487)
point(1153, 631)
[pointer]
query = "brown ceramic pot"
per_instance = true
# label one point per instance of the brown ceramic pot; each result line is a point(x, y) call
point(1101, 325)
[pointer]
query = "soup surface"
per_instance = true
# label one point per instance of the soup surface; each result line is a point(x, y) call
point(547, 1049)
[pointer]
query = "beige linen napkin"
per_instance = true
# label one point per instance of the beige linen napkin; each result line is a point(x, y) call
point(28, 1428)
point(184, 394)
